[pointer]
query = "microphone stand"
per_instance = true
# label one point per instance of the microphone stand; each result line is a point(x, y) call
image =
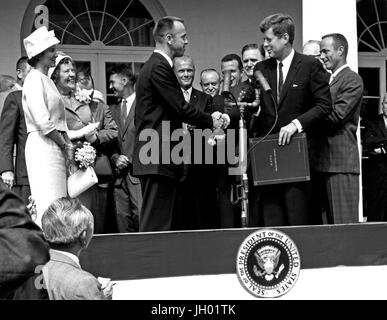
point(243, 188)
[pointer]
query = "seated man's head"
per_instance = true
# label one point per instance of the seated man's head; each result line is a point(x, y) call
point(210, 81)
point(68, 225)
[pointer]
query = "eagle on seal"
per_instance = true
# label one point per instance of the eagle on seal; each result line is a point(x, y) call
point(268, 259)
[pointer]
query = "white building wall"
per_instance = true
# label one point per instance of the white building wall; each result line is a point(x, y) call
point(331, 16)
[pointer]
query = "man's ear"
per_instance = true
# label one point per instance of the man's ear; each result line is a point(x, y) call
point(341, 50)
point(285, 36)
point(18, 74)
point(169, 38)
point(125, 81)
point(83, 239)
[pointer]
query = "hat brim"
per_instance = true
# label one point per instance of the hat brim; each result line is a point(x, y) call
point(45, 45)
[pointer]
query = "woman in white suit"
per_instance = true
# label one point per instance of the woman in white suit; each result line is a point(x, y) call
point(49, 151)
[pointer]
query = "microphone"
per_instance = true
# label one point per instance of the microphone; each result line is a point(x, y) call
point(226, 83)
point(262, 81)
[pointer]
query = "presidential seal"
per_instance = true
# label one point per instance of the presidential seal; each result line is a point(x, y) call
point(268, 263)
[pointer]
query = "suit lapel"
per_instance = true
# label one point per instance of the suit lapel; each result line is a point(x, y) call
point(290, 77)
point(129, 118)
point(272, 76)
point(194, 98)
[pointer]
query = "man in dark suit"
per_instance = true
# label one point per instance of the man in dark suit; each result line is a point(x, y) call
point(14, 133)
point(301, 98)
point(22, 245)
point(161, 109)
point(375, 172)
point(337, 158)
point(199, 185)
point(127, 191)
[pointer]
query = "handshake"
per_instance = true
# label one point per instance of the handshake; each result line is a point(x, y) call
point(220, 120)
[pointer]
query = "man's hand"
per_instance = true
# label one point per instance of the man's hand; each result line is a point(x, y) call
point(8, 178)
point(220, 120)
point(286, 134)
point(122, 162)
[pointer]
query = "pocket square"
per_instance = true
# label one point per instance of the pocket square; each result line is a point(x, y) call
point(295, 85)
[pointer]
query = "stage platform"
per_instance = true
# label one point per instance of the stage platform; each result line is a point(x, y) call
point(341, 260)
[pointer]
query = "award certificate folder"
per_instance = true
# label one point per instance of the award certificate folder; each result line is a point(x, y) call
point(273, 164)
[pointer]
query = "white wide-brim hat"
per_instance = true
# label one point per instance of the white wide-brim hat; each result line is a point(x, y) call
point(58, 59)
point(38, 41)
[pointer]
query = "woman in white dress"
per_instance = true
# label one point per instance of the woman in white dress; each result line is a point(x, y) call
point(49, 151)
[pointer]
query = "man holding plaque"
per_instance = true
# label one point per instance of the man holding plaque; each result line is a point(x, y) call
point(300, 97)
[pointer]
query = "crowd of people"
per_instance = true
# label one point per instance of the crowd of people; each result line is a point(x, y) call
point(52, 106)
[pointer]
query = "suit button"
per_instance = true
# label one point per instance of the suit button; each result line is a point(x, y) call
point(123, 139)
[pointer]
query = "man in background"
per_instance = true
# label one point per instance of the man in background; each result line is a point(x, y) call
point(127, 190)
point(14, 134)
point(337, 159)
point(251, 55)
point(210, 82)
point(199, 185)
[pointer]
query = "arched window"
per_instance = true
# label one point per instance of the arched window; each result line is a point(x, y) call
point(98, 34)
point(109, 22)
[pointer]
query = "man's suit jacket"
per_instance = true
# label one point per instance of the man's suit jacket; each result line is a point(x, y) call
point(22, 245)
point(65, 280)
point(160, 99)
point(336, 149)
point(375, 134)
point(126, 137)
point(305, 94)
point(13, 131)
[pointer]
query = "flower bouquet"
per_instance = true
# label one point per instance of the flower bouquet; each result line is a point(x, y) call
point(84, 177)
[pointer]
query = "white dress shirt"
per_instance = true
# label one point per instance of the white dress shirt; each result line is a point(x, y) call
point(334, 74)
point(285, 70)
point(129, 102)
point(187, 95)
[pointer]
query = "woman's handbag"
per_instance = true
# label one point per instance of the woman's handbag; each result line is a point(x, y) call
point(103, 168)
point(80, 181)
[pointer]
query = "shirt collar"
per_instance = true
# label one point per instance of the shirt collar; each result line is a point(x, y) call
point(288, 60)
point(165, 56)
point(130, 98)
point(188, 90)
point(70, 255)
point(18, 86)
point(334, 75)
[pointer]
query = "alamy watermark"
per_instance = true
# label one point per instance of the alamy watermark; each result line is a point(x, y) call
point(182, 146)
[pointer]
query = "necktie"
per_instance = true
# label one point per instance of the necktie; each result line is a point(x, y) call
point(280, 80)
point(124, 112)
point(186, 97)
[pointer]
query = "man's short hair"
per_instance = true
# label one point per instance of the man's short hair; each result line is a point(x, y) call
point(281, 24)
point(164, 26)
point(64, 221)
point(232, 57)
point(21, 63)
point(125, 71)
point(339, 40)
point(208, 70)
point(184, 58)
point(318, 42)
point(250, 46)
